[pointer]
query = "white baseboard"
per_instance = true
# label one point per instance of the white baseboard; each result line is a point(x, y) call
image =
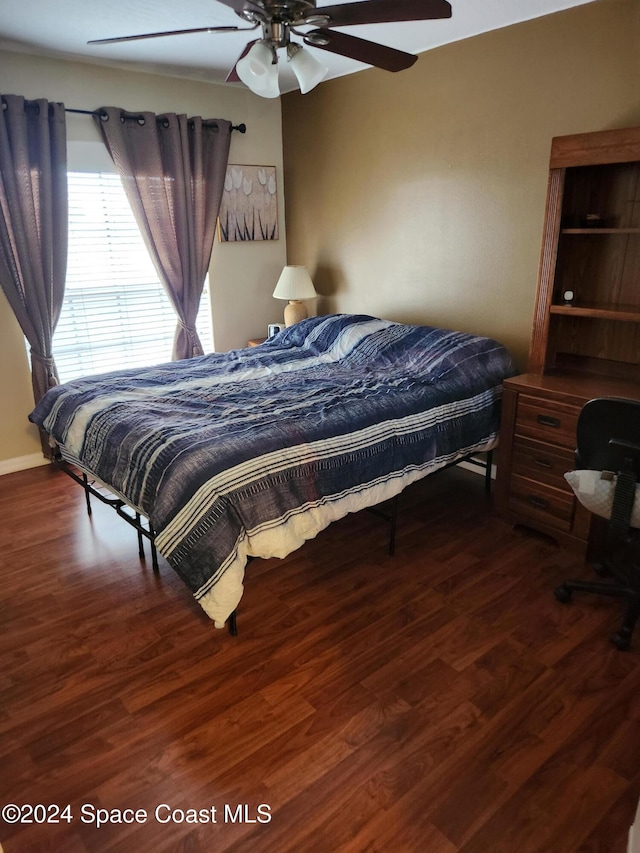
point(21, 463)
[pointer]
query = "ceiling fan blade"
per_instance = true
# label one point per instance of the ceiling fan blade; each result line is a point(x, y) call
point(368, 52)
point(168, 33)
point(385, 11)
point(232, 76)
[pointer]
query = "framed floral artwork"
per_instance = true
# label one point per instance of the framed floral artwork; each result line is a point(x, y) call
point(249, 207)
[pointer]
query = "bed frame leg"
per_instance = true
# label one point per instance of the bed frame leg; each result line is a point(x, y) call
point(154, 551)
point(87, 497)
point(394, 524)
point(140, 537)
point(232, 624)
point(487, 473)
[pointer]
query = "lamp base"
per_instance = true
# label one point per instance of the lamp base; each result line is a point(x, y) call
point(294, 311)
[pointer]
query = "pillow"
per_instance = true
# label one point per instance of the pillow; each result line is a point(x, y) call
point(596, 493)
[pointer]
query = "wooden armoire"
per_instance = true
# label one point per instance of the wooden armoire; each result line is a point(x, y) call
point(585, 340)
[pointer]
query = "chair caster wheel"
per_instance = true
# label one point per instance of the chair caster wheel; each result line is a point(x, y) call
point(620, 641)
point(562, 594)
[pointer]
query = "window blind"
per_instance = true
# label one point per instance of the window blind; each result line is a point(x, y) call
point(116, 313)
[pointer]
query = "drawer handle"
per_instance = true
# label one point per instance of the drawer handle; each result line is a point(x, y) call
point(548, 420)
point(543, 463)
point(540, 503)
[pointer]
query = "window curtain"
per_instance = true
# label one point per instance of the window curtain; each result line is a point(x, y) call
point(172, 169)
point(33, 224)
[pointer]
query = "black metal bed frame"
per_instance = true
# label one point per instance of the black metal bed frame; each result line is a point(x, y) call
point(144, 528)
point(103, 493)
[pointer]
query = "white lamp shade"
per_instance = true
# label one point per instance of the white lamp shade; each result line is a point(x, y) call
point(259, 72)
point(307, 69)
point(294, 283)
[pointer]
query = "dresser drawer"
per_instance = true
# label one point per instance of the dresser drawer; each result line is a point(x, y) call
point(544, 504)
point(543, 463)
point(551, 423)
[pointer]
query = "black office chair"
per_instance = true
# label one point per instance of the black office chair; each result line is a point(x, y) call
point(608, 440)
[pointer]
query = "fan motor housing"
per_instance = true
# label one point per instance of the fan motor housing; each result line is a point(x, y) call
point(296, 12)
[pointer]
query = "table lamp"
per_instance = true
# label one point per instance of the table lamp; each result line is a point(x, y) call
point(294, 285)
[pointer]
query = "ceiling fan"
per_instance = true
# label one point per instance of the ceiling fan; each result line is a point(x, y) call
point(257, 65)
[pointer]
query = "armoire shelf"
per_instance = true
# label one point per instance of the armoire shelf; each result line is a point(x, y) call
point(623, 313)
point(600, 231)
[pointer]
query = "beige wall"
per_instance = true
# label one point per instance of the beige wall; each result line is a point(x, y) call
point(420, 196)
point(242, 275)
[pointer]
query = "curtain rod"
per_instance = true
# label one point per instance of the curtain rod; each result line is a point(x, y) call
point(241, 128)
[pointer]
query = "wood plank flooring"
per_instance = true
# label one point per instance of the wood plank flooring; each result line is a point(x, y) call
point(440, 701)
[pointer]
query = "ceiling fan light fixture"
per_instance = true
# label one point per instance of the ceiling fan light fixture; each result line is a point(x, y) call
point(306, 67)
point(258, 70)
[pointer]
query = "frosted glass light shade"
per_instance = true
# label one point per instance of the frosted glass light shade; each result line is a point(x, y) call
point(259, 72)
point(306, 67)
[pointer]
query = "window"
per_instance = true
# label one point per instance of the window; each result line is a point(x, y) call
point(116, 313)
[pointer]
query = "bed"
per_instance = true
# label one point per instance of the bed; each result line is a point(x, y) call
point(252, 452)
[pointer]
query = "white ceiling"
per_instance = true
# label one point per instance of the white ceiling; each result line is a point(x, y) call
point(63, 28)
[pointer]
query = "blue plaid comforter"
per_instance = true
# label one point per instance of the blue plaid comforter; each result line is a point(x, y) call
point(251, 452)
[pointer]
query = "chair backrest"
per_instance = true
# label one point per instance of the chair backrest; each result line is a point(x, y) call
point(608, 434)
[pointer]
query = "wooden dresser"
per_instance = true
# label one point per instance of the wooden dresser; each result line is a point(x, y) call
point(585, 341)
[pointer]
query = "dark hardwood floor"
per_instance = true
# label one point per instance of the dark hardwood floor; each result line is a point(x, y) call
point(434, 702)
